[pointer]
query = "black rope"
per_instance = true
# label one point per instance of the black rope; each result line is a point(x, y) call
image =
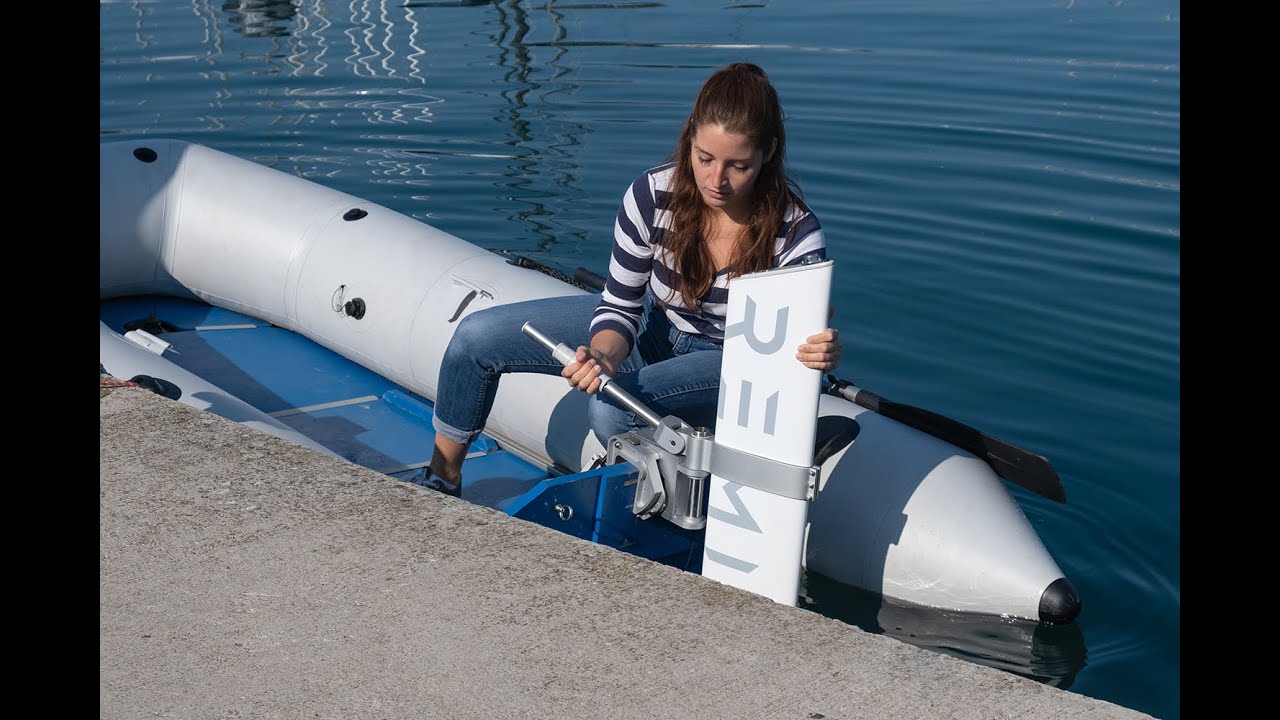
point(524, 262)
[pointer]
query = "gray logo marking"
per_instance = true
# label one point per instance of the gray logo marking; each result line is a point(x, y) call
point(743, 518)
point(748, 327)
point(732, 563)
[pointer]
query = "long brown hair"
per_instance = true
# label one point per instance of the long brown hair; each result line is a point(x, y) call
point(740, 99)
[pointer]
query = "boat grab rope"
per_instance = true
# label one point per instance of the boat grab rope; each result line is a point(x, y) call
point(524, 262)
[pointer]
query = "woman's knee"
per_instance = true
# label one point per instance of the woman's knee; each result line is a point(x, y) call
point(607, 420)
point(479, 336)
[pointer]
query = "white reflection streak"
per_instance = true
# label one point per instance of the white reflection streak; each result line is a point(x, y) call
point(323, 23)
point(397, 115)
point(415, 70)
point(374, 54)
point(138, 35)
point(212, 31)
point(367, 32)
point(386, 42)
point(297, 42)
point(354, 56)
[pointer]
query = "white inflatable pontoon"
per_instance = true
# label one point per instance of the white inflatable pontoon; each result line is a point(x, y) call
point(225, 278)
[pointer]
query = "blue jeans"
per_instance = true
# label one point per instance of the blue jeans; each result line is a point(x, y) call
point(668, 371)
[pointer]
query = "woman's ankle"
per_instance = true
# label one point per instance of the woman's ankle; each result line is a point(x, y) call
point(446, 459)
point(453, 478)
point(445, 469)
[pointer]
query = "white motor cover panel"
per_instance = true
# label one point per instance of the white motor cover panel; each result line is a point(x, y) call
point(769, 409)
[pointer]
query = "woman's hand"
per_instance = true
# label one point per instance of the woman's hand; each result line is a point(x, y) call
point(589, 363)
point(821, 351)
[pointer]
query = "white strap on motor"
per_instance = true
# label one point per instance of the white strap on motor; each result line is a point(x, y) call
point(792, 481)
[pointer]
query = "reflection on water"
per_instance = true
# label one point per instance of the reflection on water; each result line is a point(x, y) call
point(519, 85)
point(1051, 654)
point(368, 38)
point(261, 18)
point(363, 65)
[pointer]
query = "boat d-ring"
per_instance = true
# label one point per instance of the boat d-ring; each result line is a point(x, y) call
point(564, 511)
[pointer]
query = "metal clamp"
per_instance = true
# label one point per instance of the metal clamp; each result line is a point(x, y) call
point(799, 482)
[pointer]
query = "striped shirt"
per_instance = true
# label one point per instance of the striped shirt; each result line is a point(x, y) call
point(640, 259)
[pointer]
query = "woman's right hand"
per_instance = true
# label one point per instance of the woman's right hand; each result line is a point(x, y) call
point(589, 363)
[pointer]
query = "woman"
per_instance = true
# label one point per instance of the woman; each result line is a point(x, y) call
point(722, 206)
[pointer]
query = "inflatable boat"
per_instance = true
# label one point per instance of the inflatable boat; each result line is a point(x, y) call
point(321, 318)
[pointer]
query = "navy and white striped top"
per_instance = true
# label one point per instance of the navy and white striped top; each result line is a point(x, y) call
point(640, 259)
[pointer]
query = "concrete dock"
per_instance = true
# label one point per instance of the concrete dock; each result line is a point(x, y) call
point(244, 576)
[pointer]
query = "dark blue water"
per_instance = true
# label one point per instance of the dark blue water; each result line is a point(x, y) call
point(999, 181)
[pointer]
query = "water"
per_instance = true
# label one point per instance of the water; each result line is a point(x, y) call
point(999, 181)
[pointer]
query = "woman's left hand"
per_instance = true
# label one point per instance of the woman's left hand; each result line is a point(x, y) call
point(821, 351)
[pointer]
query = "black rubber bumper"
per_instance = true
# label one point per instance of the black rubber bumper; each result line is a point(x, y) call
point(1060, 602)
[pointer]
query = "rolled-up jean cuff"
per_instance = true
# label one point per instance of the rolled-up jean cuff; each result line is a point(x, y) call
point(459, 436)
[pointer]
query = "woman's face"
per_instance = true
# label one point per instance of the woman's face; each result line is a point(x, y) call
point(725, 166)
